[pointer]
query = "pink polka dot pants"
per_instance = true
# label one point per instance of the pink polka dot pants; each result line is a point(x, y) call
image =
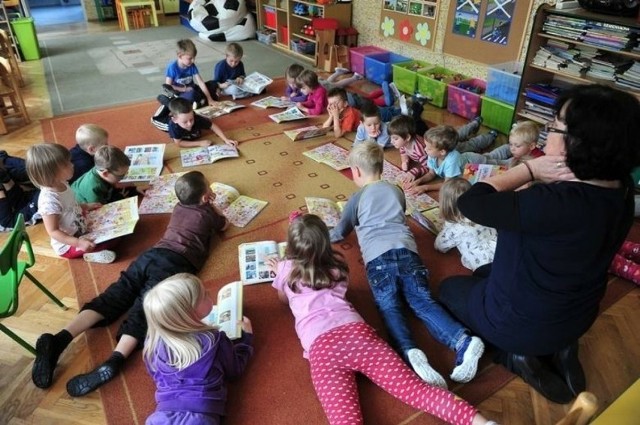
point(337, 355)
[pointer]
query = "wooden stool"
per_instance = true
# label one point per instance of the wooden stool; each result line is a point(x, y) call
point(138, 18)
point(11, 102)
point(7, 52)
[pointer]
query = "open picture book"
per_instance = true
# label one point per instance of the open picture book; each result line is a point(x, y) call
point(272, 102)
point(252, 257)
point(330, 154)
point(429, 219)
point(255, 83)
point(479, 172)
point(227, 313)
point(329, 211)
point(201, 156)
point(146, 162)
point(219, 108)
point(290, 114)
point(160, 197)
point(306, 132)
point(112, 220)
point(238, 209)
point(395, 175)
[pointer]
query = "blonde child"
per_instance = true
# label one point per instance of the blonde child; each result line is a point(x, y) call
point(292, 92)
point(313, 280)
point(316, 103)
point(443, 161)
point(183, 79)
point(49, 167)
point(413, 157)
point(395, 271)
point(523, 139)
point(188, 360)
point(89, 138)
point(194, 223)
point(186, 126)
point(372, 128)
point(342, 117)
point(229, 73)
point(476, 243)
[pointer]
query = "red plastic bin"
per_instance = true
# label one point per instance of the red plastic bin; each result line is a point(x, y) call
point(464, 102)
point(284, 35)
point(357, 55)
point(270, 17)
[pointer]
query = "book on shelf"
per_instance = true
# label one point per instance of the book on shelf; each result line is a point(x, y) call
point(160, 197)
point(255, 83)
point(332, 155)
point(226, 315)
point(252, 257)
point(217, 109)
point(329, 211)
point(475, 173)
point(429, 219)
point(146, 162)
point(112, 220)
point(290, 114)
point(238, 209)
point(207, 155)
point(306, 132)
point(272, 102)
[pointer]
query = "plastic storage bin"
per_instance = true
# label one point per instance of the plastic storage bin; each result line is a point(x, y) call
point(464, 97)
point(357, 55)
point(503, 81)
point(433, 83)
point(377, 67)
point(270, 17)
point(303, 47)
point(497, 115)
point(266, 36)
point(284, 35)
point(25, 31)
point(405, 74)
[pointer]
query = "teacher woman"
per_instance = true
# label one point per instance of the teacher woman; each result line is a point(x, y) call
point(556, 240)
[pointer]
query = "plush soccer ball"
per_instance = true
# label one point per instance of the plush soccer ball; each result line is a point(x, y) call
point(218, 17)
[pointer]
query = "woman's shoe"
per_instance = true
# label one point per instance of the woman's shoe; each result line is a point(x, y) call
point(568, 365)
point(540, 376)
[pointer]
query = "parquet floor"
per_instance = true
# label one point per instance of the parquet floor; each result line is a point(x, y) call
point(609, 351)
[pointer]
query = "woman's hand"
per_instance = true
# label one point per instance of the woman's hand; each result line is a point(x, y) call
point(550, 168)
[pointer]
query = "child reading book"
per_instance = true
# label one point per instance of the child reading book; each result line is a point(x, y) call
point(316, 102)
point(413, 157)
point(185, 127)
point(476, 243)
point(292, 92)
point(313, 281)
point(371, 127)
point(183, 79)
point(189, 360)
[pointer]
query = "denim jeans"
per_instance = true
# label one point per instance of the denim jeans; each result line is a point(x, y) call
point(400, 273)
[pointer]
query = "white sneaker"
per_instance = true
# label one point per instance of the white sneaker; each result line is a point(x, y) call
point(469, 366)
point(404, 109)
point(394, 89)
point(104, 257)
point(358, 76)
point(341, 70)
point(421, 366)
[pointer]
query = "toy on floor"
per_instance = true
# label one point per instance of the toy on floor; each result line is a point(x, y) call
point(222, 20)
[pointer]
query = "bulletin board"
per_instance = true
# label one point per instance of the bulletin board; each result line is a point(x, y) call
point(410, 21)
point(486, 31)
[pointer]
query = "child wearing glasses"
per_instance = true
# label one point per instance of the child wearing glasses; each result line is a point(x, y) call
point(100, 183)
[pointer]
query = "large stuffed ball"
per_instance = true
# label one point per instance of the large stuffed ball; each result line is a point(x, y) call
point(216, 16)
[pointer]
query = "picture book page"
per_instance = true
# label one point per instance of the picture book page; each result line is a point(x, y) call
point(430, 219)
point(227, 313)
point(306, 133)
point(252, 257)
point(290, 114)
point(255, 82)
point(272, 102)
point(160, 197)
point(218, 108)
point(146, 162)
point(479, 172)
point(112, 220)
point(225, 194)
point(328, 210)
point(243, 210)
point(206, 155)
point(332, 155)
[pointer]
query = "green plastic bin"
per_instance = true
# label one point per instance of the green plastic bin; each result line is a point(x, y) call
point(404, 74)
point(433, 84)
point(497, 115)
point(25, 31)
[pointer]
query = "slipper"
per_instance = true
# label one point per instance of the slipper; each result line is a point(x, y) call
point(341, 70)
point(104, 257)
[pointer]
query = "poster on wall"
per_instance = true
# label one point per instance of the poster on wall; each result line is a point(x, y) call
point(497, 21)
point(412, 21)
point(467, 17)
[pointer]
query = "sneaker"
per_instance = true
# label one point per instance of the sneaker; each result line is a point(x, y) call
point(467, 359)
point(104, 257)
point(404, 109)
point(494, 134)
point(418, 361)
point(477, 121)
point(388, 95)
point(163, 100)
point(169, 91)
point(341, 70)
point(358, 76)
point(394, 90)
point(419, 97)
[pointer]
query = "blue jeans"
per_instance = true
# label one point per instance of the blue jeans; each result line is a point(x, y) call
point(398, 273)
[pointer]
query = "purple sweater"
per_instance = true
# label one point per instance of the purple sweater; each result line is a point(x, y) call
point(295, 94)
point(201, 387)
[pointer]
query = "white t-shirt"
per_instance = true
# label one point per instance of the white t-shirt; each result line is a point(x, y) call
point(476, 243)
point(65, 205)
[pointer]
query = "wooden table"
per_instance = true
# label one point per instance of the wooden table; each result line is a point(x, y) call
point(124, 4)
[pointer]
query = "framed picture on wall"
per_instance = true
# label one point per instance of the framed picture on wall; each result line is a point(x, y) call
point(412, 21)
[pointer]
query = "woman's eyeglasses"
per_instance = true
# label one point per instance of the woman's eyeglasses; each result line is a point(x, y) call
point(549, 128)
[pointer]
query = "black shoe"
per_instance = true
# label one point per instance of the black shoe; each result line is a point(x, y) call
point(169, 91)
point(540, 376)
point(163, 100)
point(84, 384)
point(568, 365)
point(45, 362)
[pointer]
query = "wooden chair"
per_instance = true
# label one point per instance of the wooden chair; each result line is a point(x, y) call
point(11, 102)
point(582, 410)
point(7, 52)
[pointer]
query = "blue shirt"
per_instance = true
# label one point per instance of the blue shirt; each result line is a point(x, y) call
point(182, 76)
point(451, 166)
point(223, 72)
point(383, 138)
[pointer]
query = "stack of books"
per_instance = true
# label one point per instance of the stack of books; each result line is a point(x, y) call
point(562, 57)
point(540, 99)
point(630, 79)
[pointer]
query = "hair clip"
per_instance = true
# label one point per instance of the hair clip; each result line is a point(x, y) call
point(293, 215)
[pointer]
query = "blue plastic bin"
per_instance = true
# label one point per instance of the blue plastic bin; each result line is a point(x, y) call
point(378, 67)
point(503, 81)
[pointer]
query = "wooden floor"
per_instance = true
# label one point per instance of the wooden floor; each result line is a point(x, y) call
point(609, 351)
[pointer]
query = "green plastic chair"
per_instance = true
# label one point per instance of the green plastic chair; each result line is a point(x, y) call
point(12, 270)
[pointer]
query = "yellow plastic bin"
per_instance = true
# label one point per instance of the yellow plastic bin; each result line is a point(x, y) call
point(25, 31)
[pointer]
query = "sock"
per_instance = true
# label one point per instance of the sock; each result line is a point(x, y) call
point(84, 384)
point(467, 357)
point(48, 350)
point(630, 250)
point(626, 269)
point(388, 96)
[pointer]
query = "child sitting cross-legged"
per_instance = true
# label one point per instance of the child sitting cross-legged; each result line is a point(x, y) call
point(413, 157)
point(183, 249)
point(229, 73)
point(313, 281)
point(342, 117)
point(182, 77)
point(476, 243)
point(185, 127)
point(188, 360)
point(371, 127)
point(99, 183)
point(395, 271)
point(316, 102)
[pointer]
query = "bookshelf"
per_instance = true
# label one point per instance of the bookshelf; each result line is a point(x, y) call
point(575, 39)
point(282, 17)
